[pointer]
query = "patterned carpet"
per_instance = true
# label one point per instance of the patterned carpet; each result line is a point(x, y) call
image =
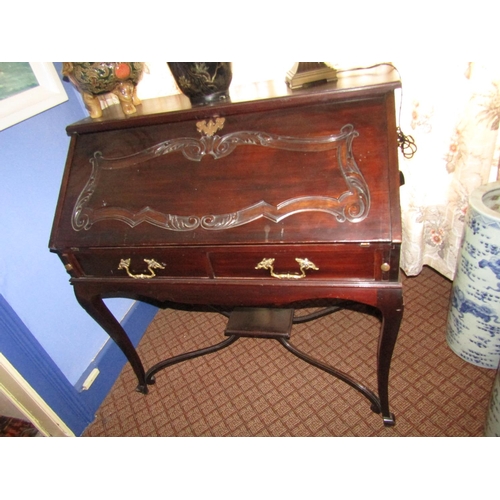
point(15, 427)
point(257, 388)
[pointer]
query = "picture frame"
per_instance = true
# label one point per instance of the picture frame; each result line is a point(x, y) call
point(47, 92)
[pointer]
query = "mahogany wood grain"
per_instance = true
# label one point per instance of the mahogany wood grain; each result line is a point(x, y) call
point(309, 174)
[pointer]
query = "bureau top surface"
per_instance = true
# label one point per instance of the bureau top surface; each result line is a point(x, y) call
point(260, 95)
point(317, 165)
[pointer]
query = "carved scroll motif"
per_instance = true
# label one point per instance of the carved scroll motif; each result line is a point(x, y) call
point(352, 205)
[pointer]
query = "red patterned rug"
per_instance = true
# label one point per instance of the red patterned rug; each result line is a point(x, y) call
point(15, 427)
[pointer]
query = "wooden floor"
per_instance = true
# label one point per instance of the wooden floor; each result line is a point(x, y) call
point(257, 388)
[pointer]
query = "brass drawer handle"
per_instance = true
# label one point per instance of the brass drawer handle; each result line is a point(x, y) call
point(152, 264)
point(305, 265)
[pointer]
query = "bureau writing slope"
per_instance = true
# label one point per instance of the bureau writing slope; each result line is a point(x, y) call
point(253, 205)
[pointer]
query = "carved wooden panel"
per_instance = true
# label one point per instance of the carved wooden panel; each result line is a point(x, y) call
point(350, 202)
point(314, 167)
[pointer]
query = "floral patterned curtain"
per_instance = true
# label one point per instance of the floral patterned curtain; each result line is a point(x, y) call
point(452, 112)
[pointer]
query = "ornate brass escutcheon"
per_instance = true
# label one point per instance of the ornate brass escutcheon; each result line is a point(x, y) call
point(209, 127)
point(304, 265)
point(152, 264)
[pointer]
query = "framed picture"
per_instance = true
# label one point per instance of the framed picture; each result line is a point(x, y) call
point(26, 89)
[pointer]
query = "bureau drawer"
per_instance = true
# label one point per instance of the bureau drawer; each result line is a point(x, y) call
point(342, 262)
point(348, 261)
point(143, 263)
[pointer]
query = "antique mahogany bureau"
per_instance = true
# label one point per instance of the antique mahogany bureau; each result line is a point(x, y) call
point(271, 199)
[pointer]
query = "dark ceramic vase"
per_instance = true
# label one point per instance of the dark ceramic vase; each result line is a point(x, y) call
point(203, 82)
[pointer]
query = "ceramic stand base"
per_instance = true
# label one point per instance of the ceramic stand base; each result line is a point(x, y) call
point(473, 330)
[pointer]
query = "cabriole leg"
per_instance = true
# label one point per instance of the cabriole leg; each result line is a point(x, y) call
point(390, 304)
point(95, 307)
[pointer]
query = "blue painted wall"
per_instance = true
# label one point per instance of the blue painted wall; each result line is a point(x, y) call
point(32, 280)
